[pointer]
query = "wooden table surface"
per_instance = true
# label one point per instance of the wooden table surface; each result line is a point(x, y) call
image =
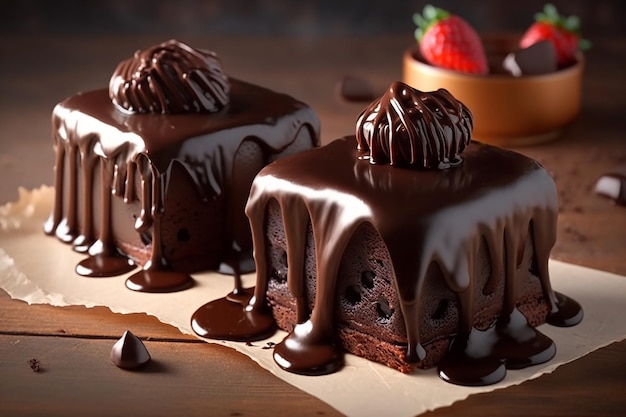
point(191, 378)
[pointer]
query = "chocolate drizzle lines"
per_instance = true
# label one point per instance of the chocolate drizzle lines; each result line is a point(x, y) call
point(171, 77)
point(407, 127)
point(104, 260)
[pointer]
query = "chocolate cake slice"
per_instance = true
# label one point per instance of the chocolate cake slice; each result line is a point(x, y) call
point(410, 245)
point(157, 169)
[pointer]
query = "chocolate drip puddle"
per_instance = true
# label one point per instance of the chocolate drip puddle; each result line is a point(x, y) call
point(157, 275)
point(101, 265)
point(229, 318)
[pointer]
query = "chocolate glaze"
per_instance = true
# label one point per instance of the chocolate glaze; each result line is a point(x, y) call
point(424, 217)
point(410, 127)
point(170, 77)
point(145, 159)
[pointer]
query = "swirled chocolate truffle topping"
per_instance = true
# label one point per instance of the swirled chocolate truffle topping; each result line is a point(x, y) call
point(170, 78)
point(408, 127)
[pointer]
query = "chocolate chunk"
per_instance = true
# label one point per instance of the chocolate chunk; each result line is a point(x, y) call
point(539, 58)
point(613, 186)
point(34, 364)
point(129, 352)
point(356, 89)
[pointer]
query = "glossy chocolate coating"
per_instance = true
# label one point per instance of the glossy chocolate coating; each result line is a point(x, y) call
point(171, 77)
point(161, 164)
point(129, 352)
point(424, 217)
point(408, 127)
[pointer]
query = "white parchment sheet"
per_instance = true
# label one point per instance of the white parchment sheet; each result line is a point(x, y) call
point(38, 269)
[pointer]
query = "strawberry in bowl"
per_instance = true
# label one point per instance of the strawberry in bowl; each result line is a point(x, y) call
point(448, 41)
point(530, 105)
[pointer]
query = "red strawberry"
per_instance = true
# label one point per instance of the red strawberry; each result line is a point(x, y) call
point(563, 32)
point(448, 41)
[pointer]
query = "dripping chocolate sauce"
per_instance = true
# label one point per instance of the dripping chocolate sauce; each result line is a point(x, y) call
point(475, 357)
point(311, 348)
point(221, 319)
point(141, 159)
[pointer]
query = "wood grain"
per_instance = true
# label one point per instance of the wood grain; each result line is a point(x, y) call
point(193, 378)
point(186, 379)
point(17, 317)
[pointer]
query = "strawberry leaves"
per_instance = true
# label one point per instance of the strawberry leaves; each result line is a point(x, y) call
point(448, 41)
point(430, 15)
point(550, 15)
point(562, 32)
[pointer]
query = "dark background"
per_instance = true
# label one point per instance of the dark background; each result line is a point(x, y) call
point(309, 18)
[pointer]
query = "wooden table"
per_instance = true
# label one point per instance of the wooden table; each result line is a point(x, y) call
point(194, 378)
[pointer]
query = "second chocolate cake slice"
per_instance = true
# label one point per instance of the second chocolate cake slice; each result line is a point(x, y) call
point(409, 245)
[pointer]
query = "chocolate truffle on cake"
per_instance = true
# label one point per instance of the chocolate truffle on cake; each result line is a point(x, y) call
point(407, 244)
point(406, 127)
point(170, 78)
point(156, 170)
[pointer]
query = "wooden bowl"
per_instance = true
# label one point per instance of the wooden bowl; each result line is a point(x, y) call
point(508, 111)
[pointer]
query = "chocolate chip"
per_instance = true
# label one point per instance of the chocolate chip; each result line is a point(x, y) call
point(129, 352)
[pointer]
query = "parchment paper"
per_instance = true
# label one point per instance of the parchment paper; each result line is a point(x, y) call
point(38, 269)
